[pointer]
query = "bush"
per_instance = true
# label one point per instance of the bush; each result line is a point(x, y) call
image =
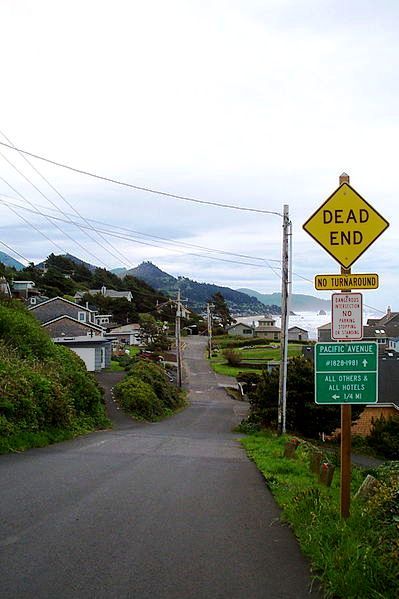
point(138, 399)
point(232, 357)
point(156, 377)
point(303, 415)
point(384, 437)
point(43, 386)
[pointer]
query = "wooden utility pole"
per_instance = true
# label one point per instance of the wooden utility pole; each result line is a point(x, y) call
point(178, 341)
point(209, 315)
point(346, 424)
point(285, 296)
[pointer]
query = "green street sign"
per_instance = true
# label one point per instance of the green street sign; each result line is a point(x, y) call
point(346, 373)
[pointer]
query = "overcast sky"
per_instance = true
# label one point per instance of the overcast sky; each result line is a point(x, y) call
point(256, 103)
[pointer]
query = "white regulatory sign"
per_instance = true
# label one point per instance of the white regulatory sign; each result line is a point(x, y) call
point(347, 316)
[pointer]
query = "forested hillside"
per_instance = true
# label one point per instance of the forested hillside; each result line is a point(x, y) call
point(64, 275)
point(198, 294)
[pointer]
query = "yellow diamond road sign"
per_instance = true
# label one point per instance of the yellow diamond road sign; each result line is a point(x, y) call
point(345, 225)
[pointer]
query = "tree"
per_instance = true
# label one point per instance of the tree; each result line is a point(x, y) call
point(221, 310)
point(303, 415)
point(54, 282)
point(152, 334)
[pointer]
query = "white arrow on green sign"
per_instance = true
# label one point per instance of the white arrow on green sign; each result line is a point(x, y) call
point(346, 373)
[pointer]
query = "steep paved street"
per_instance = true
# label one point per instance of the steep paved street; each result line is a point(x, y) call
point(172, 510)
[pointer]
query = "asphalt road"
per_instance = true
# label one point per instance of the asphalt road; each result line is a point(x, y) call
point(172, 510)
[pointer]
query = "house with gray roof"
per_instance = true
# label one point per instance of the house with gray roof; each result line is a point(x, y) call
point(111, 293)
point(95, 352)
point(59, 306)
point(240, 329)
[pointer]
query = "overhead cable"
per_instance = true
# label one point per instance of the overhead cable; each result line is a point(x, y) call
point(141, 242)
point(119, 256)
point(14, 251)
point(162, 239)
point(138, 187)
point(49, 220)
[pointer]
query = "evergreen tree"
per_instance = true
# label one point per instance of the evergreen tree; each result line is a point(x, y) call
point(221, 310)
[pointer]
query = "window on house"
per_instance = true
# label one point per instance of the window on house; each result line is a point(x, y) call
point(247, 331)
point(82, 316)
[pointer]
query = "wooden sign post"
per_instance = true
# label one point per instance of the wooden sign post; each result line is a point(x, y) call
point(345, 225)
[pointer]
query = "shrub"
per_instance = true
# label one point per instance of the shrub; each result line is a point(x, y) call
point(138, 399)
point(156, 377)
point(43, 386)
point(303, 415)
point(232, 357)
point(384, 437)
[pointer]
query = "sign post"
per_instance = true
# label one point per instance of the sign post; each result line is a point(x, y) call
point(345, 226)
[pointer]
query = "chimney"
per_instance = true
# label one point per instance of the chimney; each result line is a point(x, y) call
point(389, 311)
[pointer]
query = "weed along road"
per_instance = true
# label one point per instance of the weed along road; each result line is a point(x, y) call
point(167, 510)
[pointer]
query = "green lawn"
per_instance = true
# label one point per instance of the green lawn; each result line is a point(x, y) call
point(262, 353)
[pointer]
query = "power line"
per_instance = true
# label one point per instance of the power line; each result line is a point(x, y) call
point(119, 256)
point(139, 188)
point(14, 251)
point(141, 242)
point(34, 227)
point(162, 239)
point(48, 218)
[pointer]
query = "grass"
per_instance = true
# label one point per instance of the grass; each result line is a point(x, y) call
point(263, 353)
point(24, 440)
point(115, 367)
point(352, 558)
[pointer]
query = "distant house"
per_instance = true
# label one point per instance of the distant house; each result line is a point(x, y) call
point(267, 328)
point(324, 333)
point(297, 334)
point(58, 306)
point(111, 293)
point(23, 289)
point(241, 330)
point(66, 326)
point(127, 334)
point(103, 319)
point(96, 352)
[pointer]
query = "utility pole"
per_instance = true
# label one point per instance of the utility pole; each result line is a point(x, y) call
point(285, 306)
point(346, 425)
point(209, 314)
point(178, 342)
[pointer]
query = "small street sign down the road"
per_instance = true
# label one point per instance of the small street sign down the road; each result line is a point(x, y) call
point(346, 373)
point(345, 225)
point(346, 316)
point(346, 282)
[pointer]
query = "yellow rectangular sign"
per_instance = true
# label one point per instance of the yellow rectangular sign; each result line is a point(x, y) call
point(345, 225)
point(342, 282)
